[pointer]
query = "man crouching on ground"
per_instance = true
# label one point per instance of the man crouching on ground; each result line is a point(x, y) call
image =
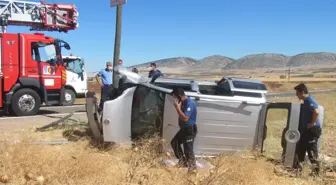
point(187, 112)
point(311, 128)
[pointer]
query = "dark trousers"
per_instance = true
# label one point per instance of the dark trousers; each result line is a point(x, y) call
point(308, 143)
point(185, 136)
point(105, 94)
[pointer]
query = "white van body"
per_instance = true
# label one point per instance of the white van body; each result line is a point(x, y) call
point(231, 116)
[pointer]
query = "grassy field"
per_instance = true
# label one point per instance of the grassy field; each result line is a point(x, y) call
point(83, 162)
point(289, 86)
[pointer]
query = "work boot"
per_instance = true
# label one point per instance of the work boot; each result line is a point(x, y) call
point(192, 166)
point(182, 163)
point(192, 169)
point(316, 172)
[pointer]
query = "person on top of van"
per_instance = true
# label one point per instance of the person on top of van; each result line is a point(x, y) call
point(187, 113)
point(120, 63)
point(135, 70)
point(310, 129)
point(154, 72)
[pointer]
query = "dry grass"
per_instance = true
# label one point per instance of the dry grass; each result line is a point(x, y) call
point(82, 162)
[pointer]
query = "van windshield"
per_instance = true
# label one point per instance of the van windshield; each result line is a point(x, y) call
point(73, 64)
point(147, 112)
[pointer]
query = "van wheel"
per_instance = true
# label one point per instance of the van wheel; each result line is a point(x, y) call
point(70, 97)
point(25, 102)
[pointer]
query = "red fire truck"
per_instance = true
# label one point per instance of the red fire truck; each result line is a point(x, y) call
point(31, 70)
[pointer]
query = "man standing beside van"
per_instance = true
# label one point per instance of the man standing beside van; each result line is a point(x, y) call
point(106, 84)
point(310, 129)
point(187, 113)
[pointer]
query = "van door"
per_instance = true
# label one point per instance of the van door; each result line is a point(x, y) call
point(116, 119)
point(223, 127)
point(290, 134)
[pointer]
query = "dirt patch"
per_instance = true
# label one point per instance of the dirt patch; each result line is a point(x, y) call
point(273, 85)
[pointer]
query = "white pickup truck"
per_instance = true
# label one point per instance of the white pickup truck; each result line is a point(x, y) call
point(77, 82)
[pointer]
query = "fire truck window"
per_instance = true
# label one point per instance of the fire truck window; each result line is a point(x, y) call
point(43, 53)
point(147, 112)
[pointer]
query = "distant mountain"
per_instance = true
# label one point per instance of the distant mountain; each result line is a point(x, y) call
point(259, 61)
point(178, 62)
point(312, 59)
point(256, 61)
point(213, 62)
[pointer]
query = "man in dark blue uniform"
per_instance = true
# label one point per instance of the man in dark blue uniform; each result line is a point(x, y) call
point(154, 73)
point(187, 113)
point(310, 128)
point(106, 84)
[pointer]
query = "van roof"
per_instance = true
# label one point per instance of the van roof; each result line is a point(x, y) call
point(70, 57)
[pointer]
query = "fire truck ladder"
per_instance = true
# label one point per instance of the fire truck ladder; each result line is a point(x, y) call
point(39, 16)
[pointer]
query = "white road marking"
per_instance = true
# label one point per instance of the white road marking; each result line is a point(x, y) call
point(44, 115)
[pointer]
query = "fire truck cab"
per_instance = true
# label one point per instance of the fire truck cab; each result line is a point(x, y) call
point(31, 72)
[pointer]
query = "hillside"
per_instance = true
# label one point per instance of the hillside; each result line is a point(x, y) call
point(260, 61)
point(312, 59)
point(177, 62)
point(255, 61)
point(211, 63)
point(217, 63)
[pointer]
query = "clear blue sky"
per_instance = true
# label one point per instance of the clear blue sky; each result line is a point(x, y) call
point(156, 29)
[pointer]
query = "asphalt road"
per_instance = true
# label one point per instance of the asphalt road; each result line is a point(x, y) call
point(80, 108)
point(62, 109)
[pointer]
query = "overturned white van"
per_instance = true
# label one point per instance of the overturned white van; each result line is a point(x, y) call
point(231, 115)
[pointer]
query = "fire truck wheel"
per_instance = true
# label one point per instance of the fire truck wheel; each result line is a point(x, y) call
point(25, 102)
point(70, 97)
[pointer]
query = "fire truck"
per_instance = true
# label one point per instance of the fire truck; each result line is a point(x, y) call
point(31, 69)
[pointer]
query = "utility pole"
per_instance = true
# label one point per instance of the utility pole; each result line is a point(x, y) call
point(289, 73)
point(117, 40)
point(117, 45)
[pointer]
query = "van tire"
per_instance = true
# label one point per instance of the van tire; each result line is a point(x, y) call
point(70, 97)
point(25, 99)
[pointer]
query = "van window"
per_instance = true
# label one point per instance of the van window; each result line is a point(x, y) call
point(147, 112)
point(248, 85)
point(185, 87)
point(222, 89)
